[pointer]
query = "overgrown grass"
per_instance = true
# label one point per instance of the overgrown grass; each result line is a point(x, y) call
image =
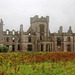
point(27, 64)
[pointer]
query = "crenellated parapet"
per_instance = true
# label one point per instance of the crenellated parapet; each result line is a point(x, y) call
point(37, 19)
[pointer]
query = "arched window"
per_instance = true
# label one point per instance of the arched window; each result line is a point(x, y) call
point(13, 32)
point(7, 32)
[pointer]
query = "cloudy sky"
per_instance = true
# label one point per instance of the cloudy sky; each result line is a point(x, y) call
point(16, 12)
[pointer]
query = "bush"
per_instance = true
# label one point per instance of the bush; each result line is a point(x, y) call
point(4, 49)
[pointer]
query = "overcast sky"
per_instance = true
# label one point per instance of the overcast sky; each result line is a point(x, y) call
point(16, 12)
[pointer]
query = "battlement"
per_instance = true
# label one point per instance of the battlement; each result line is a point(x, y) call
point(37, 19)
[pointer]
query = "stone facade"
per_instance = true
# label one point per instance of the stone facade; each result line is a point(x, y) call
point(37, 37)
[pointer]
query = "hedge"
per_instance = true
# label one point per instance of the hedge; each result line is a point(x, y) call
point(4, 49)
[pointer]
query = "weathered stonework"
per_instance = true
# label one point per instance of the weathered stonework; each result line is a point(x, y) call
point(37, 37)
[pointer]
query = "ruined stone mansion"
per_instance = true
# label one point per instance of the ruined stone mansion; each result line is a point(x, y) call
point(37, 37)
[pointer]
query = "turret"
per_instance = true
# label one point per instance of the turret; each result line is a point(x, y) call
point(60, 30)
point(21, 29)
point(70, 30)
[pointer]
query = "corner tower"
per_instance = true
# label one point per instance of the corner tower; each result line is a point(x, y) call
point(1, 32)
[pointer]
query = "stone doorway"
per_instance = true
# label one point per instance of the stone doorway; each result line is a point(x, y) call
point(68, 48)
point(41, 47)
point(29, 47)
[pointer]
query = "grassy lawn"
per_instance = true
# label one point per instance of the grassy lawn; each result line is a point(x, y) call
point(37, 63)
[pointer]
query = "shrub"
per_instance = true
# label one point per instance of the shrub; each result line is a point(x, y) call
point(4, 49)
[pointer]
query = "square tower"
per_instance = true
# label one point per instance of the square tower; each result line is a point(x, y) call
point(40, 26)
